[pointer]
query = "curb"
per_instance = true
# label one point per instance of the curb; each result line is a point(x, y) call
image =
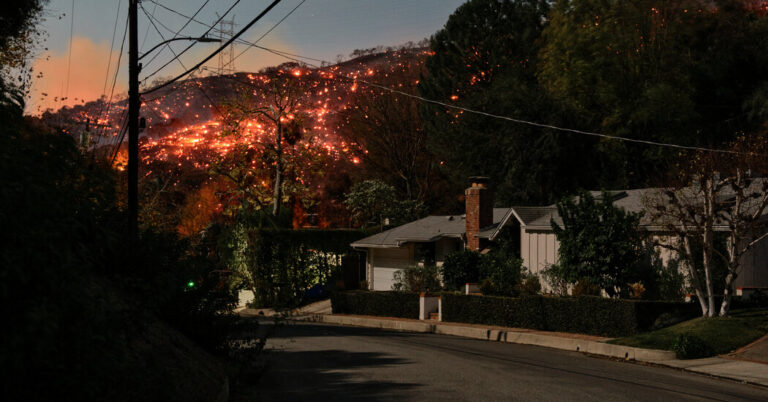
point(525, 338)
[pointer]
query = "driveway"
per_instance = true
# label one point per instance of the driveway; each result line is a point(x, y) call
point(315, 362)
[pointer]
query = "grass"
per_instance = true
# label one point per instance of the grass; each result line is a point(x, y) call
point(721, 334)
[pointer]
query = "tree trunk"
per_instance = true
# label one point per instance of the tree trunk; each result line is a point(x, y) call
point(733, 261)
point(708, 242)
point(278, 194)
point(700, 295)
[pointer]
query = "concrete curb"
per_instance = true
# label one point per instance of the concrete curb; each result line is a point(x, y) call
point(741, 371)
point(525, 338)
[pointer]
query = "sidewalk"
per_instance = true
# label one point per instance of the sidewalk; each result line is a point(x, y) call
point(729, 367)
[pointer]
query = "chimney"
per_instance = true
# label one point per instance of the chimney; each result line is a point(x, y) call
point(479, 210)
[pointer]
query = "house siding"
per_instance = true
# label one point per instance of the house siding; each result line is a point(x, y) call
point(754, 272)
point(538, 250)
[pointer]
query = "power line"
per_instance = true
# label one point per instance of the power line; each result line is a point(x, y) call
point(146, 32)
point(222, 47)
point(267, 33)
point(176, 56)
point(117, 70)
point(239, 40)
point(109, 61)
point(520, 121)
point(175, 34)
point(69, 58)
point(443, 104)
point(191, 44)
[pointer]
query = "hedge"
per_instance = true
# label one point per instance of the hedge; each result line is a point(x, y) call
point(586, 314)
point(386, 304)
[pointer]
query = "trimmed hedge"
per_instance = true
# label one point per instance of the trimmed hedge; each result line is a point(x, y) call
point(386, 304)
point(585, 314)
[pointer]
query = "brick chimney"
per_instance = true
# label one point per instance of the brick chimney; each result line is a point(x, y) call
point(479, 210)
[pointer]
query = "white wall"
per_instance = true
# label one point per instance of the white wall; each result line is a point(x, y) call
point(538, 249)
point(754, 267)
point(385, 262)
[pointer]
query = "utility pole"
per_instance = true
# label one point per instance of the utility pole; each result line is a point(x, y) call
point(133, 120)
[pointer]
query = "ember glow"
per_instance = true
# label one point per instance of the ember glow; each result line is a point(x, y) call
point(184, 124)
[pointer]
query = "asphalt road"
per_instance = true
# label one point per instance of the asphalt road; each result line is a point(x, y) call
point(316, 362)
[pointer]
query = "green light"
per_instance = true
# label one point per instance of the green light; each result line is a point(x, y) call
point(191, 284)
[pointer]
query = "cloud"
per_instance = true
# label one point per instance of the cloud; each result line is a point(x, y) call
point(86, 78)
point(89, 64)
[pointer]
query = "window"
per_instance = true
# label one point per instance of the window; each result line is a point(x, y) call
point(424, 253)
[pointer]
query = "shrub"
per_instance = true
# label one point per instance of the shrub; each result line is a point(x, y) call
point(459, 268)
point(586, 314)
point(558, 286)
point(523, 312)
point(690, 346)
point(503, 274)
point(386, 304)
point(530, 284)
point(584, 288)
point(417, 279)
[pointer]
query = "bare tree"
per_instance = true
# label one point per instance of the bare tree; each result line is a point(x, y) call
point(389, 128)
point(715, 192)
point(276, 103)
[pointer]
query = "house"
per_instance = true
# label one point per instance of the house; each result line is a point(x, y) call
point(429, 240)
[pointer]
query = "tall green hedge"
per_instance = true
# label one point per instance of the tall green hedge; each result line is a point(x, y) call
point(386, 304)
point(586, 314)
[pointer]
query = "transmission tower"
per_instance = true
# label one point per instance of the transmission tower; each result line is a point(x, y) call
point(227, 56)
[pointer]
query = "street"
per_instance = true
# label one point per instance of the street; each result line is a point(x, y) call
point(311, 362)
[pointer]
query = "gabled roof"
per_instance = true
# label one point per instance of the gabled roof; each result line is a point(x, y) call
point(429, 229)
point(635, 200)
point(432, 228)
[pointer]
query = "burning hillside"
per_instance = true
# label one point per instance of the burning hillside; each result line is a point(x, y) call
point(185, 119)
point(195, 125)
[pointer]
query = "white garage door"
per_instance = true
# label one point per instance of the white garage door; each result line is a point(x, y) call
point(385, 263)
point(383, 278)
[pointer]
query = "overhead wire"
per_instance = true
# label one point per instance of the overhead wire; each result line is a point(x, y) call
point(266, 33)
point(176, 57)
point(114, 81)
point(109, 61)
point(193, 43)
point(520, 121)
point(456, 107)
point(217, 51)
point(239, 40)
point(175, 34)
point(146, 32)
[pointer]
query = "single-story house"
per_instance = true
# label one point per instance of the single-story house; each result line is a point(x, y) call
point(429, 240)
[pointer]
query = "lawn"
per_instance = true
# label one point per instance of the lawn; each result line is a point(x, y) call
point(721, 334)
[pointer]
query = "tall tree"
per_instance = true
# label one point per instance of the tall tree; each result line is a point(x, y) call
point(269, 115)
point(389, 128)
point(486, 58)
point(685, 71)
point(716, 191)
point(599, 242)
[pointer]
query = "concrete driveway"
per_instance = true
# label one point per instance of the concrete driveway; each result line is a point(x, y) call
point(316, 362)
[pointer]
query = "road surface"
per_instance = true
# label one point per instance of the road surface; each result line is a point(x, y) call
point(317, 362)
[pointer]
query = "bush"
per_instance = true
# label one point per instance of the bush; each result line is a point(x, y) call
point(502, 274)
point(417, 279)
point(523, 312)
point(460, 268)
point(530, 284)
point(385, 304)
point(586, 314)
point(689, 346)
